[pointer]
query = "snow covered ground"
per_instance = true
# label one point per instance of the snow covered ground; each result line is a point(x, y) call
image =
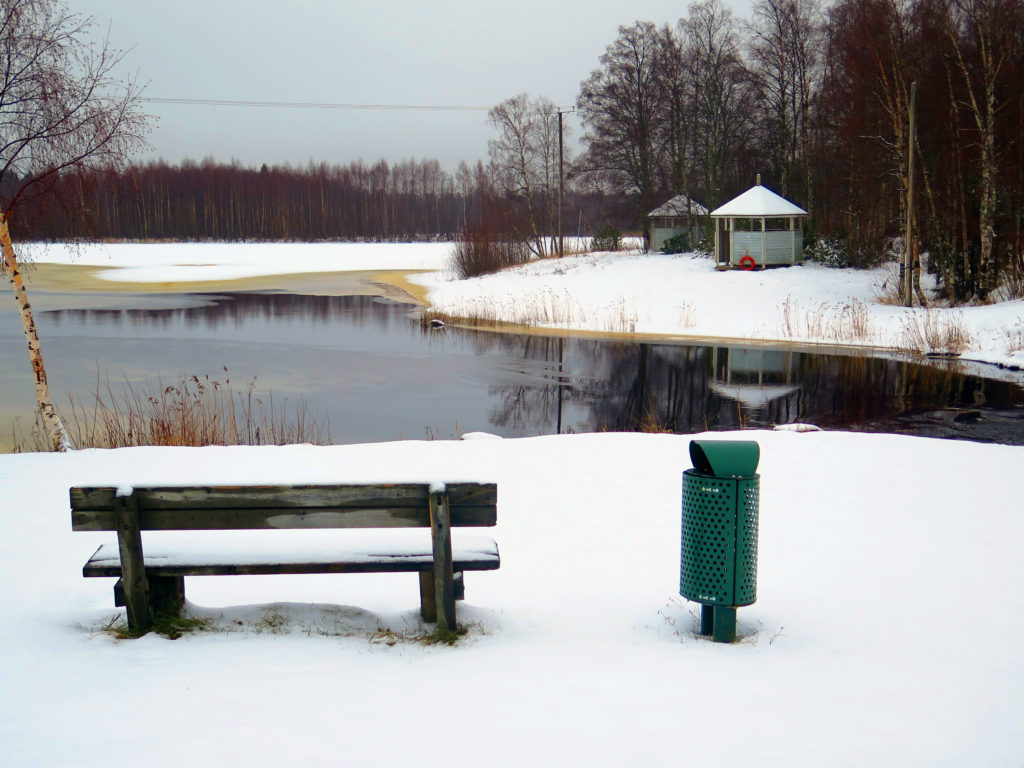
point(629, 292)
point(887, 629)
point(683, 295)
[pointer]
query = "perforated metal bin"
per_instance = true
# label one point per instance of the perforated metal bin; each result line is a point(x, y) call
point(718, 563)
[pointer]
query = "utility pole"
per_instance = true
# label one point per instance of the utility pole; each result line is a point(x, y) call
point(561, 179)
point(908, 246)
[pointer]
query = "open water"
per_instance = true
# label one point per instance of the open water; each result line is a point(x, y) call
point(368, 369)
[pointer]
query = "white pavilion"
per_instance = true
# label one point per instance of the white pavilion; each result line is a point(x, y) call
point(758, 229)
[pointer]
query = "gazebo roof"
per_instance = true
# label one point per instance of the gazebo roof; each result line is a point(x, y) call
point(759, 201)
point(680, 205)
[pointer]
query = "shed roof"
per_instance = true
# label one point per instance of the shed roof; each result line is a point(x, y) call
point(759, 201)
point(680, 205)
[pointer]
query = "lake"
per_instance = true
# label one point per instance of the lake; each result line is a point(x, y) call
point(349, 348)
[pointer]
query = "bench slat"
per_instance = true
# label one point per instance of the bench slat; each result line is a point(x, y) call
point(301, 496)
point(197, 558)
point(262, 507)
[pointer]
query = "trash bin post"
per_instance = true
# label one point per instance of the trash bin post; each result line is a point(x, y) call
point(718, 562)
point(707, 620)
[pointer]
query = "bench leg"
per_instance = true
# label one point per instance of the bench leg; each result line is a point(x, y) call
point(440, 525)
point(428, 597)
point(167, 595)
point(133, 572)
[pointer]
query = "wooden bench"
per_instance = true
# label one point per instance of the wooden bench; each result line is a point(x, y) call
point(155, 581)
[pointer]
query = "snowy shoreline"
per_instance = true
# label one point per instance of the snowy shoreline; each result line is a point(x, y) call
point(679, 297)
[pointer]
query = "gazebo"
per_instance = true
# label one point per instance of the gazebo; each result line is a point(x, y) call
point(679, 216)
point(758, 229)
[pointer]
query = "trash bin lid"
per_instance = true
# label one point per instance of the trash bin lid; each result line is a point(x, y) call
point(725, 458)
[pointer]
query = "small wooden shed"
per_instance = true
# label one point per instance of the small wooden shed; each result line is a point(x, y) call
point(758, 228)
point(679, 216)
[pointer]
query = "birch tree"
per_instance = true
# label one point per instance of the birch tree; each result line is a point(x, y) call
point(984, 28)
point(61, 109)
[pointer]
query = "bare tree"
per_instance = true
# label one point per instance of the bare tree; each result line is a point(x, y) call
point(680, 100)
point(722, 89)
point(61, 109)
point(622, 106)
point(525, 160)
point(785, 56)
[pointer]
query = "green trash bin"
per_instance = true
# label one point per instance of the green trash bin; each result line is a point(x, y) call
point(718, 561)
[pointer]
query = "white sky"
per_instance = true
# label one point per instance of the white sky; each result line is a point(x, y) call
point(338, 51)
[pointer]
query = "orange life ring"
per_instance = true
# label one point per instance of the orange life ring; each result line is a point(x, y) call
point(747, 262)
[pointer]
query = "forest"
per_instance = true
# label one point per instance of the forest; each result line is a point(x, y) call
point(889, 121)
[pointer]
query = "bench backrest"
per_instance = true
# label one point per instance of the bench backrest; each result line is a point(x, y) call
point(180, 508)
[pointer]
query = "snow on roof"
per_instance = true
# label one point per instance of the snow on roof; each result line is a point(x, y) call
point(680, 205)
point(759, 201)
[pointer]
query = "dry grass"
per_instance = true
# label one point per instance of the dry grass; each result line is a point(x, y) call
point(849, 322)
point(192, 411)
point(888, 292)
point(1011, 285)
point(552, 308)
point(1015, 337)
point(934, 332)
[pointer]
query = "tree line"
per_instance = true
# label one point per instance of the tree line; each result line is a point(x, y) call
point(220, 201)
point(815, 97)
point(208, 200)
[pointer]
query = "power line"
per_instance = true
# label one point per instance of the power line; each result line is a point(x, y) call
point(318, 105)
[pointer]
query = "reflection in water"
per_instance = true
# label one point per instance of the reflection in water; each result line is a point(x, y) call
point(589, 384)
point(369, 366)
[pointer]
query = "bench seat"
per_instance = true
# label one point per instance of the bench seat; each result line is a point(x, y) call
point(395, 553)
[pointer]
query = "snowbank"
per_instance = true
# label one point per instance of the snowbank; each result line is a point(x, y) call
point(684, 296)
point(886, 631)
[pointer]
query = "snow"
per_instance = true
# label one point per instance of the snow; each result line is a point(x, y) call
point(759, 201)
point(299, 547)
point(193, 262)
point(683, 296)
point(887, 629)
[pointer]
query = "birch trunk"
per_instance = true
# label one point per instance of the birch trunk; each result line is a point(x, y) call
point(47, 412)
point(983, 110)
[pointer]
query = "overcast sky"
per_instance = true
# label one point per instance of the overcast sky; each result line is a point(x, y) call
point(428, 52)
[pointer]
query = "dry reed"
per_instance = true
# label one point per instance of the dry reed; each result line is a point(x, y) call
point(1015, 337)
point(192, 411)
point(934, 332)
point(849, 322)
point(553, 308)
